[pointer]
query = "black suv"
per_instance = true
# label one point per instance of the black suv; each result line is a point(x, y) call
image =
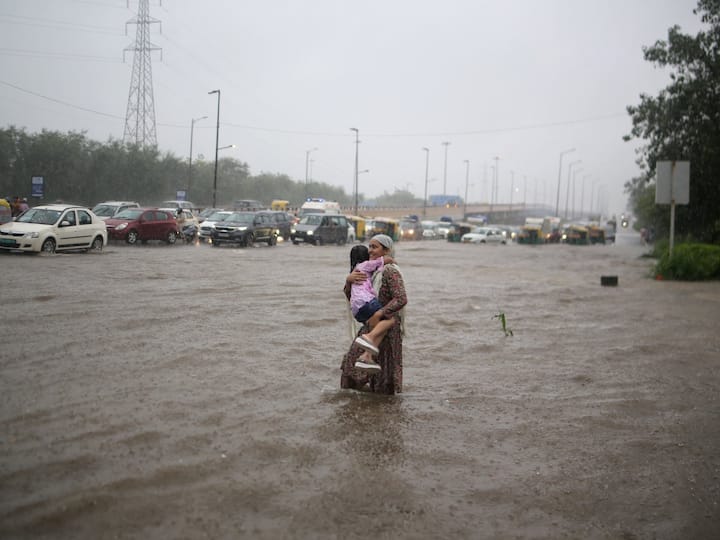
point(283, 222)
point(245, 228)
point(320, 229)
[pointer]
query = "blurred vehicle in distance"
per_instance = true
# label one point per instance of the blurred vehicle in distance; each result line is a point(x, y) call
point(484, 235)
point(319, 229)
point(206, 227)
point(109, 209)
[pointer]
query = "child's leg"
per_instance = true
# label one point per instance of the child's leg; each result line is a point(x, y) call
point(378, 332)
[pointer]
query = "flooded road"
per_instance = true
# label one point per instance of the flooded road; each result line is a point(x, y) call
point(193, 392)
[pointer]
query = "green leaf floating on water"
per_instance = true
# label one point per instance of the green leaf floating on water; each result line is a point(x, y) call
point(503, 321)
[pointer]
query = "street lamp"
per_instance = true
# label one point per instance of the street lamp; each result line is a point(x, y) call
point(567, 192)
point(307, 162)
point(445, 144)
point(582, 195)
point(217, 138)
point(467, 183)
point(357, 144)
point(557, 200)
point(192, 127)
point(225, 147)
point(427, 163)
point(572, 200)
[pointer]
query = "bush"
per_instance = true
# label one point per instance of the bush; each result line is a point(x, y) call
point(690, 262)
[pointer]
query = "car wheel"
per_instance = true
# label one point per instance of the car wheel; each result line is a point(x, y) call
point(132, 237)
point(272, 240)
point(48, 246)
point(295, 242)
point(249, 240)
point(97, 244)
point(171, 237)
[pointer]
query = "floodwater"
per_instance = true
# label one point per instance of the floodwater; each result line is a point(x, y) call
point(161, 392)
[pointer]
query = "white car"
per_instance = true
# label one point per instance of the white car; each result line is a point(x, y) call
point(484, 235)
point(208, 224)
point(54, 227)
point(110, 209)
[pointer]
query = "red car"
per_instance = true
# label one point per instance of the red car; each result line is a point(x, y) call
point(133, 224)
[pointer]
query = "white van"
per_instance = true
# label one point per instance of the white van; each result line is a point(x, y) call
point(319, 206)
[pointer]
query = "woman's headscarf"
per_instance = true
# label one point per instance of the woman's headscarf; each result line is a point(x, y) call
point(385, 241)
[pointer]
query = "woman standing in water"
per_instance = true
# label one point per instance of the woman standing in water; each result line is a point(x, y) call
point(390, 288)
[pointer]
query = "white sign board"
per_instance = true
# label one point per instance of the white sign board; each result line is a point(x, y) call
point(673, 182)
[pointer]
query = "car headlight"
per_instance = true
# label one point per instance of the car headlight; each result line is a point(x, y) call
point(309, 233)
point(121, 227)
point(292, 230)
point(242, 228)
point(33, 234)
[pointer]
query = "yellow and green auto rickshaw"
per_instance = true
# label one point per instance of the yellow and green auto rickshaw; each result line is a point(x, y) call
point(457, 229)
point(382, 225)
point(576, 235)
point(596, 234)
point(358, 224)
point(279, 204)
point(531, 234)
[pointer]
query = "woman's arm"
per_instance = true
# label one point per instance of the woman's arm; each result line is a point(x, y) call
point(393, 283)
point(356, 276)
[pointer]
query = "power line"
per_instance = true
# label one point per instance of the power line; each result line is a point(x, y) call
point(41, 54)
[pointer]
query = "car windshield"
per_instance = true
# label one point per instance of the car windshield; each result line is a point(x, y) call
point(40, 215)
point(311, 219)
point(218, 216)
point(240, 217)
point(129, 214)
point(104, 210)
point(479, 230)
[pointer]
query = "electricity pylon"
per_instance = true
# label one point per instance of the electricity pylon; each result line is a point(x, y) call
point(140, 115)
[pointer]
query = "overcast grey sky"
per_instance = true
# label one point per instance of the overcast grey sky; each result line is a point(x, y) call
point(522, 80)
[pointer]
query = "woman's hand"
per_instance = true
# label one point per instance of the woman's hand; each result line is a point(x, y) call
point(356, 276)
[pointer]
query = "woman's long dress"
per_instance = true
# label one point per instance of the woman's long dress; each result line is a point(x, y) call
point(389, 381)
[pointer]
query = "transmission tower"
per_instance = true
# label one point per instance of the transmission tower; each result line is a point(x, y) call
point(140, 115)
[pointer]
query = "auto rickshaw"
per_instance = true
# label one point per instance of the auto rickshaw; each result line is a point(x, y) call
point(382, 225)
point(358, 224)
point(576, 235)
point(530, 234)
point(596, 234)
point(457, 229)
point(278, 204)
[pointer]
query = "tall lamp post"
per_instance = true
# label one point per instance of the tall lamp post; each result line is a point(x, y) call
point(445, 144)
point(357, 144)
point(557, 200)
point(582, 195)
point(192, 127)
point(572, 199)
point(427, 164)
point(567, 191)
point(217, 138)
point(307, 163)
point(467, 183)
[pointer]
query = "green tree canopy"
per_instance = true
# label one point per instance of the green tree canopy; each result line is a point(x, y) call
point(682, 123)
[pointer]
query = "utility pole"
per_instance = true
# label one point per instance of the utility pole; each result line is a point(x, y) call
point(445, 144)
point(357, 144)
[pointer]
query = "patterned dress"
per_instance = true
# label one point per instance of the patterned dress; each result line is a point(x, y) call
point(391, 294)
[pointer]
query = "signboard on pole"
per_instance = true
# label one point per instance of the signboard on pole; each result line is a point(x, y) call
point(37, 186)
point(672, 187)
point(673, 182)
point(180, 195)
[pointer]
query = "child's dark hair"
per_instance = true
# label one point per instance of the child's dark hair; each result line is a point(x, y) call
point(358, 254)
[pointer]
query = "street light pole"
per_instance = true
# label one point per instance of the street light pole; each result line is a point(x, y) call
point(357, 144)
point(217, 139)
point(192, 127)
point(467, 183)
point(557, 200)
point(307, 162)
point(427, 163)
point(445, 144)
point(572, 200)
point(582, 195)
point(567, 191)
